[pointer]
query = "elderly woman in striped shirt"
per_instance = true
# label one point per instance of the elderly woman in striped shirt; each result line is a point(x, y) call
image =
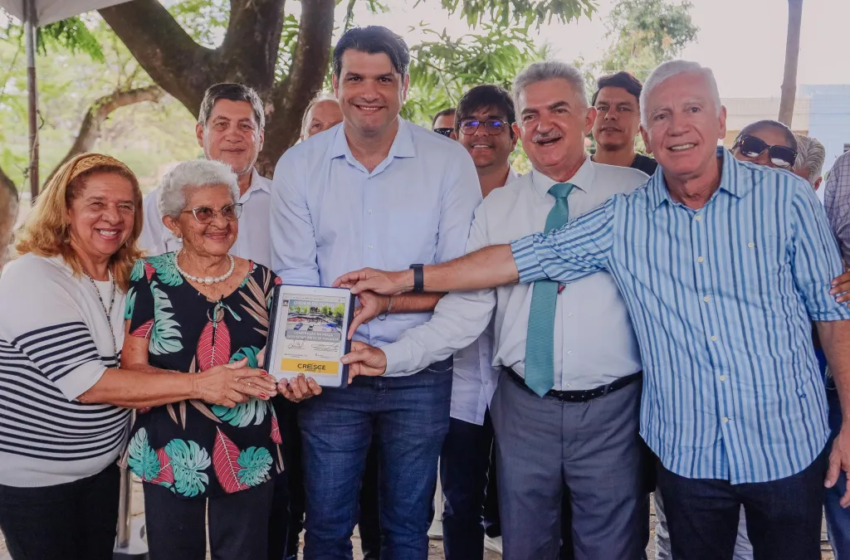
point(63, 401)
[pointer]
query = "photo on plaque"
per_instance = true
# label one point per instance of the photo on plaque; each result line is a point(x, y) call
point(308, 334)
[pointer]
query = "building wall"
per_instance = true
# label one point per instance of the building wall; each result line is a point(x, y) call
point(829, 118)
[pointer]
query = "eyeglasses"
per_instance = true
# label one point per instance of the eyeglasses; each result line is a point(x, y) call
point(205, 214)
point(780, 156)
point(493, 127)
point(444, 131)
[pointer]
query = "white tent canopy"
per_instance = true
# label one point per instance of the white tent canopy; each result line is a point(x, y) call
point(50, 11)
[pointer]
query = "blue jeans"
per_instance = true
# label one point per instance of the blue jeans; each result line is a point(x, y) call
point(407, 418)
point(837, 518)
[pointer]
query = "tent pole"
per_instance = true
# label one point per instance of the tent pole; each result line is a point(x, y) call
point(30, 25)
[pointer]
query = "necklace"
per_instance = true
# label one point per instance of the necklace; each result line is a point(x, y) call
point(207, 279)
point(107, 311)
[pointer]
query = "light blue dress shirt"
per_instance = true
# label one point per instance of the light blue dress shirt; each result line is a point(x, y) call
point(721, 299)
point(329, 215)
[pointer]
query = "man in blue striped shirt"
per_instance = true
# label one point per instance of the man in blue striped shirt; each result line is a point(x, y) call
point(722, 265)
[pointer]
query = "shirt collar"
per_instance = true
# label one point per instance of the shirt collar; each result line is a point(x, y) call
point(402, 143)
point(582, 179)
point(736, 178)
point(258, 183)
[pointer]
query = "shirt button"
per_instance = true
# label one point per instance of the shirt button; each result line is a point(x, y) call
point(714, 339)
point(700, 259)
point(706, 298)
point(569, 314)
point(371, 247)
point(751, 244)
point(722, 378)
point(698, 218)
point(725, 420)
point(569, 352)
point(370, 210)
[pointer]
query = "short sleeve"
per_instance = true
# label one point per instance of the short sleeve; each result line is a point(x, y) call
point(139, 309)
point(42, 319)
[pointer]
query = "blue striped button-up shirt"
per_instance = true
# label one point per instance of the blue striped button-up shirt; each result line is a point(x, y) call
point(721, 299)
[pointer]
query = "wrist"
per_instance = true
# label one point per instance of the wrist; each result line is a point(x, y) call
point(192, 388)
point(404, 281)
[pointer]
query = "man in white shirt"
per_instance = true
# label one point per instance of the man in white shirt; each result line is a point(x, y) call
point(483, 121)
point(230, 130)
point(374, 190)
point(577, 428)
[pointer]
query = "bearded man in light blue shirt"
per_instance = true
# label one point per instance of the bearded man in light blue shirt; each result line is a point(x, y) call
point(373, 191)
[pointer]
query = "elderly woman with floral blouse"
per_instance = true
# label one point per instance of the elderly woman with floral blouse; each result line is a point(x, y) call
point(193, 310)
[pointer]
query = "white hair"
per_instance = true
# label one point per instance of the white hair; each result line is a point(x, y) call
point(320, 97)
point(171, 198)
point(549, 70)
point(667, 70)
point(810, 157)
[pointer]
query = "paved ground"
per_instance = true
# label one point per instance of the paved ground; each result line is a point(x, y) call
point(436, 552)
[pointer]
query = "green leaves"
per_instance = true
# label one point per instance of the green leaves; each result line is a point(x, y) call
point(166, 268)
point(142, 459)
point(519, 12)
point(243, 414)
point(188, 461)
point(71, 34)
point(255, 463)
point(165, 337)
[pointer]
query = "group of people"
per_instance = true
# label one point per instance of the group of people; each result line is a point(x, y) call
point(562, 343)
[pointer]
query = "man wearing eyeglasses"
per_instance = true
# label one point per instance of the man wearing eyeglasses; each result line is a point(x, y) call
point(483, 121)
point(230, 130)
point(565, 411)
point(443, 123)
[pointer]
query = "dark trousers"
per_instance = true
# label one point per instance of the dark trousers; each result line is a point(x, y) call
point(287, 518)
point(73, 521)
point(464, 467)
point(837, 518)
point(238, 524)
point(783, 516)
point(407, 418)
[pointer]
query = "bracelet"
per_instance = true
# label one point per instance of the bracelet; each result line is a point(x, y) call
point(383, 316)
point(418, 278)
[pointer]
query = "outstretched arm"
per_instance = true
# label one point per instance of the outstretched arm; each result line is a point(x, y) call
point(486, 268)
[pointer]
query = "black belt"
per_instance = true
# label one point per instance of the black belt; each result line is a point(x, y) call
point(579, 396)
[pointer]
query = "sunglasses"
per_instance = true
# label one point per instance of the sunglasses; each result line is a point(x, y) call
point(444, 131)
point(780, 156)
point(205, 214)
point(493, 127)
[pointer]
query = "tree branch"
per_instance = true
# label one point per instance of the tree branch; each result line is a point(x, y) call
point(250, 46)
point(98, 113)
point(291, 97)
point(170, 56)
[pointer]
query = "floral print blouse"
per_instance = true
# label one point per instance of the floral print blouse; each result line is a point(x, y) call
point(195, 449)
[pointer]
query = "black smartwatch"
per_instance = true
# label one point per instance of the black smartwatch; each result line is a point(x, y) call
point(418, 278)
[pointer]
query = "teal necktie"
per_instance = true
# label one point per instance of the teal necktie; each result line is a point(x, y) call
point(540, 341)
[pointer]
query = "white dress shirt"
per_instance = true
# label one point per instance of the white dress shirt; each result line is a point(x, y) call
point(475, 377)
point(252, 243)
point(330, 215)
point(594, 341)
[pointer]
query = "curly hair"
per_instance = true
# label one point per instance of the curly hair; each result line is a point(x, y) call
point(46, 231)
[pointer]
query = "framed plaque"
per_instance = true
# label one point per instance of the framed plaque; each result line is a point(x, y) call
point(308, 334)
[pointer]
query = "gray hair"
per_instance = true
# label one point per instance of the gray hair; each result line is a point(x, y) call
point(667, 70)
point(232, 92)
point(320, 97)
point(810, 157)
point(549, 70)
point(171, 198)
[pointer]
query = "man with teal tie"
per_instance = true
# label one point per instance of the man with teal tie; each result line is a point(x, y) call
point(565, 412)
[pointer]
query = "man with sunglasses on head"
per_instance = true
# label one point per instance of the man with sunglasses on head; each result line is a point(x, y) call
point(483, 122)
point(443, 123)
point(230, 130)
point(617, 102)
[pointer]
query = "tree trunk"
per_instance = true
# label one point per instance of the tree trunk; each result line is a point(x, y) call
point(248, 55)
point(8, 215)
point(792, 55)
point(98, 113)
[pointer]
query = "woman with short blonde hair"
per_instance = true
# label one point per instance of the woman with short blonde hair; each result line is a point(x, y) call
point(64, 414)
